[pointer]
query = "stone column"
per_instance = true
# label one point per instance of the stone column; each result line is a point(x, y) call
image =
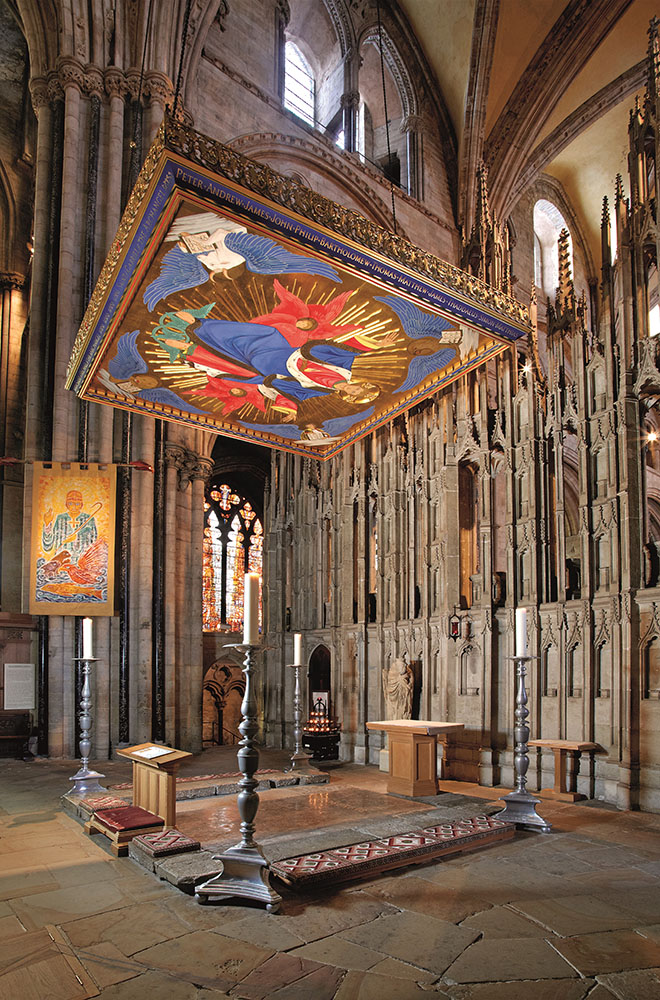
point(187, 675)
point(37, 377)
point(159, 93)
point(413, 126)
point(114, 144)
point(68, 303)
point(12, 327)
point(141, 603)
point(282, 18)
point(350, 103)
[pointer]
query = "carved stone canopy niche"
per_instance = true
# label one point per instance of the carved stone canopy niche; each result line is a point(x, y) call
point(237, 301)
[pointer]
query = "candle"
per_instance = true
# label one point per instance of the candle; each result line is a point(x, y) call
point(87, 639)
point(297, 649)
point(251, 609)
point(521, 631)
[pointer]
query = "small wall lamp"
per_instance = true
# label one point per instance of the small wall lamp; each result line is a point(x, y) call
point(454, 625)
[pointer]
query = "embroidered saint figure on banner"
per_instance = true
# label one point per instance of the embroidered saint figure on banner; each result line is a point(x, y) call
point(72, 555)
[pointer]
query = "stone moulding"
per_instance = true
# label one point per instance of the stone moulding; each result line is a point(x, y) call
point(312, 254)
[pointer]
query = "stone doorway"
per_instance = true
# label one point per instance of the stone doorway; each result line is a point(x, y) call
point(318, 674)
point(222, 694)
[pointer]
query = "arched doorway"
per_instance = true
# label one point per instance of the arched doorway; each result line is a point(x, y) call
point(321, 734)
point(319, 678)
point(222, 694)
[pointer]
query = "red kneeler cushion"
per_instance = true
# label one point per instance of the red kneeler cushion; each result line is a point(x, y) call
point(127, 818)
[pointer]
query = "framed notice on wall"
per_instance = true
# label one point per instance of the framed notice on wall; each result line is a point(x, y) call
point(19, 686)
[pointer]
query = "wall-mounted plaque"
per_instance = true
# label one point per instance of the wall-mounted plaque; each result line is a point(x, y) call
point(19, 686)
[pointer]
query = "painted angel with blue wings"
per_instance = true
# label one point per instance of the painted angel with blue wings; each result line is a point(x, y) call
point(207, 245)
point(127, 376)
point(434, 341)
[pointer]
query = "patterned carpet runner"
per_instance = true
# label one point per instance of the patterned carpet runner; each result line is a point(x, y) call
point(373, 856)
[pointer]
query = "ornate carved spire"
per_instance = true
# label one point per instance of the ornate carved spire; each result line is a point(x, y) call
point(654, 58)
point(565, 290)
point(487, 253)
point(539, 374)
point(482, 214)
point(605, 235)
point(618, 190)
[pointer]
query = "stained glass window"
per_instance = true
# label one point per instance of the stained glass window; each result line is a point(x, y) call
point(233, 546)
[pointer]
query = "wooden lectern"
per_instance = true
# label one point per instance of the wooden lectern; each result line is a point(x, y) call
point(154, 778)
point(412, 745)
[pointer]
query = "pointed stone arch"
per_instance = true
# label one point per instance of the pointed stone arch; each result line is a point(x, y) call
point(42, 26)
point(223, 689)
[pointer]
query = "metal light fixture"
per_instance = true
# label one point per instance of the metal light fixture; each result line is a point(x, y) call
point(454, 625)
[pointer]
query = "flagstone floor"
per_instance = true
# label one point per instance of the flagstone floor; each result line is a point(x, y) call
point(563, 916)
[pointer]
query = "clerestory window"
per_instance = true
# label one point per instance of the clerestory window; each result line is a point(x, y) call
point(548, 224)
point(299, 85)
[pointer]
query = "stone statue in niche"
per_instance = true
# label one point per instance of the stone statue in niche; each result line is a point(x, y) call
point(398, 689)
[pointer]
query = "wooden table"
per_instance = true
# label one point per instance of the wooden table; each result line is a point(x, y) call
point(154, 778)
point(412, 745)
point(561, 748)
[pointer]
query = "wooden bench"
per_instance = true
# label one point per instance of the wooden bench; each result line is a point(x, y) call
point(561, 749)
point(14, 733)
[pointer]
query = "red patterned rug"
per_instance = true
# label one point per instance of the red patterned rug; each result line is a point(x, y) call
point(166, 842)
point(202, 777)
point(102, 802)
point(373, 856)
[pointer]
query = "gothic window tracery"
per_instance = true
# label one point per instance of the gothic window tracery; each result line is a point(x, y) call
point(342, 94)
point(548, 224)
point(379, 111)
point(232, 547)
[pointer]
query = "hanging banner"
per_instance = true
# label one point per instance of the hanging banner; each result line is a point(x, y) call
point(73, 539)
point(236, 301)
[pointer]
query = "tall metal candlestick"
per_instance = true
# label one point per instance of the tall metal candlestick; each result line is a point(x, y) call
point(245, 871)
point(299, 759)
point(86, 782)
point(521, 805)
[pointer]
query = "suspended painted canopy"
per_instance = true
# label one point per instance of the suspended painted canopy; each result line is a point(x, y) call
point(238, 301)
